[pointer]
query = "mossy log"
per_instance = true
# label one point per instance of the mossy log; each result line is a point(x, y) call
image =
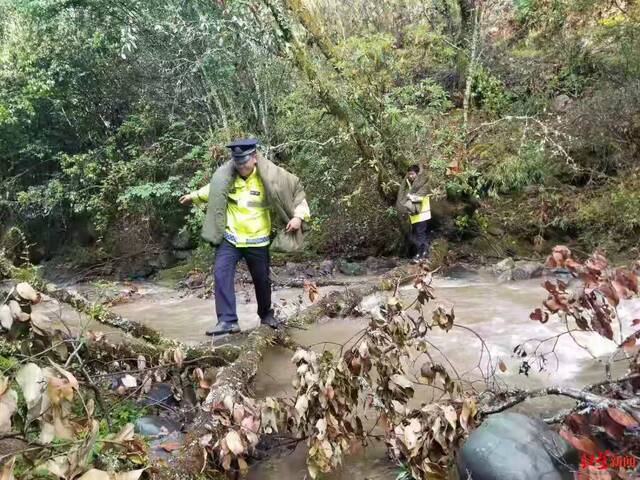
point(236, 378)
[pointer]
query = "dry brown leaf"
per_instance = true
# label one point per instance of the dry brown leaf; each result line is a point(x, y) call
point(411, 433)
point(579, 442)
point(622, 418)
point(465, 414)
point(234, 442)
point(629, 343)
point(126, 433)
point(47, 433)
point(27, 292)
point(242, 465)
point(17, 313)
point(178, 356)
point(7, 470)
point(58, 466)
point(8, 406)
point(142, 362)
point(170, 446)
point(451, 415)
point(95, 336)
point(95, 474)
point(311, 290)
point(6, 318)
point(61, 426)
point(58, 389)
point(502, 366)
point(4, 384)
point(129, 382)
point(401, 380)
point(31, 381)
point(68, 375)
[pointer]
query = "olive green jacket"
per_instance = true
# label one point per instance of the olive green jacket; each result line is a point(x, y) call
point(284, 195)
point(419, 188)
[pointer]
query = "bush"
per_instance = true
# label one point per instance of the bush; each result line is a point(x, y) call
point(514, 173)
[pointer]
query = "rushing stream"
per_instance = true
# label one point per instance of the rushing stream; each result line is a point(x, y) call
point(497, 312)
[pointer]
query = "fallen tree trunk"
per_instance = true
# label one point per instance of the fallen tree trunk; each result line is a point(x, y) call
point(150, 342)
point(235, 379)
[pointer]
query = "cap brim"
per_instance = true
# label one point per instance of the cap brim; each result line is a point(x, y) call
point(239, 160)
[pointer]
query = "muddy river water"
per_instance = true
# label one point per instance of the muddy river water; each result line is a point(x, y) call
point(497, 312)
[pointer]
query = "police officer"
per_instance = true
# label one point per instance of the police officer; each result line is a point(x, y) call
point(244, 197)
point(413, 200)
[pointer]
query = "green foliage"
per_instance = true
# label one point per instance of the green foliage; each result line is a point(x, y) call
point(614, 209)
point(530, 167)
point(488, 92)
point(123, 412)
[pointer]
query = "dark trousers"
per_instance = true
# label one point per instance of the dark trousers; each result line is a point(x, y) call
point(419, 238)
point(224, 272)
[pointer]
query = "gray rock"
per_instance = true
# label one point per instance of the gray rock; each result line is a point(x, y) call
point(513, 446)
point(352, 269)
point(504, 265)
point(160, 395)
point(526, 270)
point(461, 270)
point(560, 103)
point(326, 267)
point(156, 426)
point(504, 269)
point(182, 241)
point(159, 453)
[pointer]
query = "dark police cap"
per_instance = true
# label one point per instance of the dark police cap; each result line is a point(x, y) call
point(242, 149)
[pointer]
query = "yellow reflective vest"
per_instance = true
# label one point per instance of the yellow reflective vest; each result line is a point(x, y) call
point(424, 213)
point(248, 221)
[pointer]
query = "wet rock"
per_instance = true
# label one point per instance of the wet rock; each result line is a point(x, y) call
point(182, 241)
point(461, 270)
point(351, 269)
point(156, 426)
point(375, 264)
point(513, 446)
point(525, 270)
point(160, 395)
point(326, 267)
point(161, 448)
point(504, 269)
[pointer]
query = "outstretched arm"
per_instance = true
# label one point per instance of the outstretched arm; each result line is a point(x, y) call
point(198, 197)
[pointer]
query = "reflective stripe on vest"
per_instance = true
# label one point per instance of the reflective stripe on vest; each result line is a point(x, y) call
point(248, 219)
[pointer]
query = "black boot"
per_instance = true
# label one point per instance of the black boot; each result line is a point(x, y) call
point(270, 320)
point(223, 328)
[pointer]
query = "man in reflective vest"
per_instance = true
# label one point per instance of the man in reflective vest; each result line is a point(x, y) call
point(244, 196)
point(413, 200)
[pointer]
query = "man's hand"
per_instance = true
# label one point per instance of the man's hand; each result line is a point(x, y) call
point(414, 198)
point(185, 199)
point(294, 224)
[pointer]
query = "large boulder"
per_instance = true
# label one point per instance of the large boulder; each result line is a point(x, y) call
point(525, 270)
point(504, 269)
point(513, 446)
point(351, 269)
